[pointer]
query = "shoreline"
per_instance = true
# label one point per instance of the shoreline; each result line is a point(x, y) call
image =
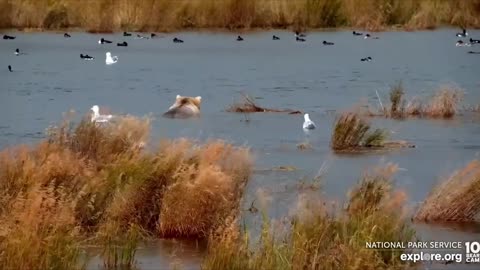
point(214, 30)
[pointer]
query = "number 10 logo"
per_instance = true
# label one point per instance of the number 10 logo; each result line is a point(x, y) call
point(472, 252)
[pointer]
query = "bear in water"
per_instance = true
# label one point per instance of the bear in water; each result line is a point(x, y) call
point(184, 107)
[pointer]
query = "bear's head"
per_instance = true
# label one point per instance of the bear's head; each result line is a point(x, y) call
point(184, 107)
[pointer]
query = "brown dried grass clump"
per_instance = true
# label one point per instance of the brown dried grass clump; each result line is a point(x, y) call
point(456, 199)
point(318, 237)
point(444, 103)
point(39, 230)
point(351, 133)
point(248, 105)
point(90, 181)
point(205, 191)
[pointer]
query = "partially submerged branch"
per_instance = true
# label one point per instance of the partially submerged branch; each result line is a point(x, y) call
point(248, 105)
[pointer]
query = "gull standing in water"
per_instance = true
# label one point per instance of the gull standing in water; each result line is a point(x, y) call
point(308, 124)
point(99, 118)
point(110, 60)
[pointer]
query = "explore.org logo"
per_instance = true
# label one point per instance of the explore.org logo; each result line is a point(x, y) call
point(445, 252)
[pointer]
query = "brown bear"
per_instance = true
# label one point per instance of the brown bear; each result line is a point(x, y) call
point(184, 107)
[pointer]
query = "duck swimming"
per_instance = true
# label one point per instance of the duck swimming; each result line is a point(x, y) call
point(275, 37)
point(370, 36)
point(86, 57)
point(463, 33)
point(140, 37)
point(474, 41)
point(307, 123)
point(357, 33)
point(66, 35)
point(17, 52)
point(460, 43)
point(10, 68)
point(472, 52)
point(176, 40)
point(239, 38)
point(328, 43)
point(126, 34)
point(8, 37)
point(152, 35)
point(366, 59)
point(123, 44)
point(103, 41)
point(299, 39)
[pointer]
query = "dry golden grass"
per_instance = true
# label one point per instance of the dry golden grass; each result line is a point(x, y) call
point(316, 237)
point(455, 199)
point(97, 182)
point(39, 230)
point(444, 103)
point(351, 133)
point(397, 107)
point(168, 15)
point(205, 191)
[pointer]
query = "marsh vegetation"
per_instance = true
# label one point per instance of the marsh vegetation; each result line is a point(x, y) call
point(97, 185)
point(169, 15)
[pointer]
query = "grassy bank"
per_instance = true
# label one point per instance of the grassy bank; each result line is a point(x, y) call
point(319, 236)
point(97, 185)
point(169, 15)
point(455, 199)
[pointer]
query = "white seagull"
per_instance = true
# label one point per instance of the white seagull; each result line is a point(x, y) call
point(308, 124)
point(99, 118)
point(110, 60)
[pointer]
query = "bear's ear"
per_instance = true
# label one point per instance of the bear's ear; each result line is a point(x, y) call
point(179, 97)
point(199, 98)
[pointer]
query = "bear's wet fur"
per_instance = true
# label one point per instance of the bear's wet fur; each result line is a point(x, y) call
point(184, 107)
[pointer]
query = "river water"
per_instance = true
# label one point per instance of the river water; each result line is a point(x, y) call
point(51, 79)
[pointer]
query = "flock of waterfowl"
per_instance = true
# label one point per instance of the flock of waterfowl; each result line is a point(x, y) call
point(299, 37)
point(461, 43)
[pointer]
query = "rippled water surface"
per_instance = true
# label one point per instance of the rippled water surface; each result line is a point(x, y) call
point(51, 79)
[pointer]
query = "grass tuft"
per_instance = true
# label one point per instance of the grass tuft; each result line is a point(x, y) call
point(444, 103)
point(456, 199)
point(397, 108)
point(351, 132)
